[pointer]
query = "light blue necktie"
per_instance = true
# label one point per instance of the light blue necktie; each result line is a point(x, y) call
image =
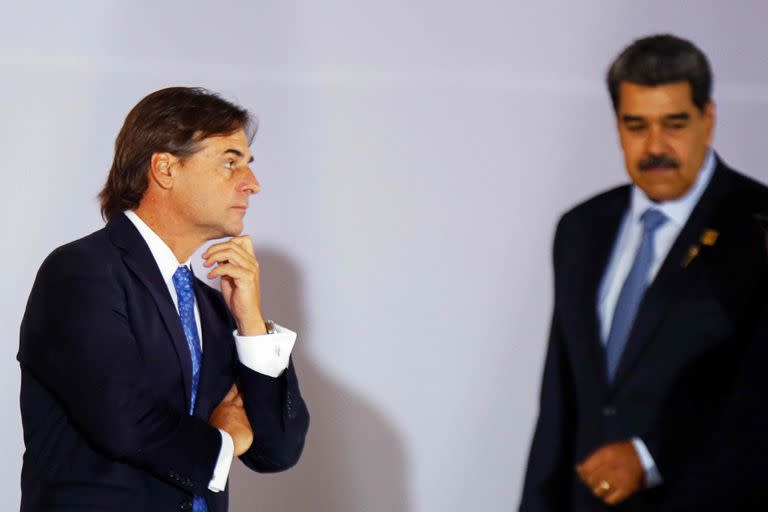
point(632, 292)
point(182, 281)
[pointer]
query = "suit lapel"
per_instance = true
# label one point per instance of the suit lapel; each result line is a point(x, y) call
point(213, 353)
point(138, 258)
point(598, 248)
point(672, 275)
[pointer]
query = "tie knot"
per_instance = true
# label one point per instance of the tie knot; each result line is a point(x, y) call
point(182, 279)
point(652, 220)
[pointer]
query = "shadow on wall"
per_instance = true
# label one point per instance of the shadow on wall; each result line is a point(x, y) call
point(353, 459)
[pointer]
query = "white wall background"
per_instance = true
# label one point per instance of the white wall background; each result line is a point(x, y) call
point(414, 157)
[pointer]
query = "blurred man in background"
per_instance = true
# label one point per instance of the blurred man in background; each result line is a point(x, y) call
point(658, 287)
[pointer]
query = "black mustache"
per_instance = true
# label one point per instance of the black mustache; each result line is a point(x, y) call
point(658, 161)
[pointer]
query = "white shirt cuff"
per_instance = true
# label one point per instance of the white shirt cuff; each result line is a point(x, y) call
point(267, 354)
point(652, 475)
point(221, 471)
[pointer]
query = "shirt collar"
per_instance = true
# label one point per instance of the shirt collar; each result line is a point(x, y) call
point(163, 255)
point(676, 210)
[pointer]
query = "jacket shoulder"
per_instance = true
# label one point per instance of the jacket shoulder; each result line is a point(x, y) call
point(747, 193)
point(593, 209)
point(86, 255)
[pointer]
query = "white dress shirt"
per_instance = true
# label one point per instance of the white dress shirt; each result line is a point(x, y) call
point(624, 249)
point(267, 354)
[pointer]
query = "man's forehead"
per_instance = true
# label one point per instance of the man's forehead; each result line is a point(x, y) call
point(657, 101)
point(220, 144)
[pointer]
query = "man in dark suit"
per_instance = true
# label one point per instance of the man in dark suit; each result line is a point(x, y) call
point(658, 288)
point(140, 382)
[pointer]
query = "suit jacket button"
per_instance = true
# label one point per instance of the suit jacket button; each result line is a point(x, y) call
point(609, 410)
point(186, 505)
point(289, 406)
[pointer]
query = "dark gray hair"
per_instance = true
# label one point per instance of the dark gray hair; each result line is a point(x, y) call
point(662, 59)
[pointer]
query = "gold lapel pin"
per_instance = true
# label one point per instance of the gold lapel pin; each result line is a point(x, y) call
point(693, 251)
point(709, 237)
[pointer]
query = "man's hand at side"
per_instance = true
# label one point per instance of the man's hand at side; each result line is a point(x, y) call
point(230, 417)
point(613, 472)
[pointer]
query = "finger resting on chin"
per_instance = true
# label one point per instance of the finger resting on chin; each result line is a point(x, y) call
point(245, 242)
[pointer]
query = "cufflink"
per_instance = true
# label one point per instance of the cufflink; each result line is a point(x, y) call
point(270, 327)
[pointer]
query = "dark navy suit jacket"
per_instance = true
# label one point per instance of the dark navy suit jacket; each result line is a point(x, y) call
point(679, 363)
point(106, 378)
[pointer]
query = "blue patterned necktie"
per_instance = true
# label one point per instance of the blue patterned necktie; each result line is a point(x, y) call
point(632, 292)
point(182, 281)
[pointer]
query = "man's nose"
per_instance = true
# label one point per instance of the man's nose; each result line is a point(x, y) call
point(655, 144)
point(251, 184)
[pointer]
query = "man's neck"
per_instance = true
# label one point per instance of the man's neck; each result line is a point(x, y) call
point(177, 238)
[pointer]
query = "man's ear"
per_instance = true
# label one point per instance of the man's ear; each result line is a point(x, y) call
point(710, 117)
point(162, 169)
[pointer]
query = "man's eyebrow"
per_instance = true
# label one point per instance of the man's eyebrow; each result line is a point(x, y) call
point(677, 116)
point(628, 118)
point(680, 116)
point(238, 153)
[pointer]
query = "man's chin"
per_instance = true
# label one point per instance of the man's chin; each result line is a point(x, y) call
point(235, 230)
point(661, 186)
point(660, 193)
point(226, 232)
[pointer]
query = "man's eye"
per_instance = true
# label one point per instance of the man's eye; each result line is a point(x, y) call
point(230, 164)
point(635, 127)
point(676, 126)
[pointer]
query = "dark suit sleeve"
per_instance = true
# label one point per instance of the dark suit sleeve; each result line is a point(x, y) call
point(727, 471)
point(275, 408)
point(548, 476)
point(77, 341)
point(549, 472)
point(278, 417)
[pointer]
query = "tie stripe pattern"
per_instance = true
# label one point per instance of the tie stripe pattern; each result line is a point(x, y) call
point(182, 281)
point(632, 291)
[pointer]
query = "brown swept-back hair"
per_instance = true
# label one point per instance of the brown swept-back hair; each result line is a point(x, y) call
point(173, 120)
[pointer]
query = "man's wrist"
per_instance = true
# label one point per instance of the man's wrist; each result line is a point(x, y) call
point(651, 475)
point(223, 463)
point(252, 327)
point(268, 354)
